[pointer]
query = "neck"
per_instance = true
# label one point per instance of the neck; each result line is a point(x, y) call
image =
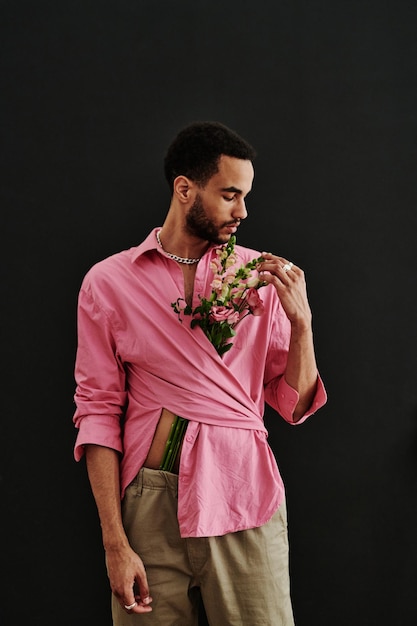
point(185, 260)
point(174, 240)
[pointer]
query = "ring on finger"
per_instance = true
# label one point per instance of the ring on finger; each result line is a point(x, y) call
point(129, 607)
point(287, 266)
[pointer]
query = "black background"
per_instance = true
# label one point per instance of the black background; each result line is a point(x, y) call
point(92, 92)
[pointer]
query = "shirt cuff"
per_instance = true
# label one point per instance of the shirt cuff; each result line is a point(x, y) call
point(98, 430)
point(288, 398)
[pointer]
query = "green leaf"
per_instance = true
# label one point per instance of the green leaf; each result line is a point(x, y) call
point(225, 348)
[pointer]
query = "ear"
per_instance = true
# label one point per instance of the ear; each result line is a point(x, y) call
point(183, 189)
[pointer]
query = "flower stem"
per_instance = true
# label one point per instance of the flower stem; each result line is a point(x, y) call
point(172, 446)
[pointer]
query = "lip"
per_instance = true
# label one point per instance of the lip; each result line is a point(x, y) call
point(232, 228)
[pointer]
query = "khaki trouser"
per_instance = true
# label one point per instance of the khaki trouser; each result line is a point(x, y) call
point(243, 576)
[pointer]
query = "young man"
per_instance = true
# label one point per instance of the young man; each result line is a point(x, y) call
point(216, 523)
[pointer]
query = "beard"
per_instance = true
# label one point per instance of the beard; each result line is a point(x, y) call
point(198, 224)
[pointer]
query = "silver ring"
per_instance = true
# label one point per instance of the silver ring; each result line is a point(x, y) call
point(129, 607)
point(287, 266)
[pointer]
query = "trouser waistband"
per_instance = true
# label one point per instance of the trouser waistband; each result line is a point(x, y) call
point(155, 479)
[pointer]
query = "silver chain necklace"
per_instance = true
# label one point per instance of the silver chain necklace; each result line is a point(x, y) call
point(174, 257)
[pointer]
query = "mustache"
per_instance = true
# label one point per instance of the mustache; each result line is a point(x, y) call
point(233, 223)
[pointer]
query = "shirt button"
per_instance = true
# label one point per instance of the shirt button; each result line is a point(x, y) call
point(189, 438)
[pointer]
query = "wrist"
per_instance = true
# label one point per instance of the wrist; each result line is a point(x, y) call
point(115, 548)
point(115, 541)
point(301, 326)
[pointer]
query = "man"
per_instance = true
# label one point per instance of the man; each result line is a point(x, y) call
point(216, 523)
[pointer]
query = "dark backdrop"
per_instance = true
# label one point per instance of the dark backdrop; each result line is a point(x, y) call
point(91, 94)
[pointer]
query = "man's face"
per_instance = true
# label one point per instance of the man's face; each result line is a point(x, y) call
point(220, 206)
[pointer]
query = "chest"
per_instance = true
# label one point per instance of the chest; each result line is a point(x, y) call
point(188, 272)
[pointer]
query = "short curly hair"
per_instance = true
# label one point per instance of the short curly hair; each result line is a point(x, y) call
point(196, 150)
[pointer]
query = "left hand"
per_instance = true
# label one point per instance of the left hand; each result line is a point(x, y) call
point(289, 281)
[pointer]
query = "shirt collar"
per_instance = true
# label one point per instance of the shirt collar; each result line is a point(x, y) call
point(150, 243)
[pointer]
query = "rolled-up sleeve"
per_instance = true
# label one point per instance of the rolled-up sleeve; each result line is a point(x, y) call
point(100, 395)
point(284, 399)
point(278, 393)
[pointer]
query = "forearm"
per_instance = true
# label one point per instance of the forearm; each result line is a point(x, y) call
point(103, 473)
point(125, 568)
point(301, 370)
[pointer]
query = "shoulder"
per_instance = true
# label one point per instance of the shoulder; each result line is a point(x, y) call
point(109, 270)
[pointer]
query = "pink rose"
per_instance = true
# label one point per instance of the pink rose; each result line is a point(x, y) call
point(224, 314)
point(256, 306)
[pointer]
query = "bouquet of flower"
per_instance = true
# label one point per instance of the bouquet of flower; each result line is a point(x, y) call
point(234, 296)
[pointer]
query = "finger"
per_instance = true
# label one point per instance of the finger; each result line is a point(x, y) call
point(271, 258)
point(144, 602)
point(134, 602)
point(278, 281)
point(278, 266)
point(143, 597)
point(139, 606)
point(275, 273)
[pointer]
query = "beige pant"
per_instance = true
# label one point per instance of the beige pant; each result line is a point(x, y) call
point(243, 576)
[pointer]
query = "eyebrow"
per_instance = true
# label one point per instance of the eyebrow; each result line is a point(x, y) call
point(232, 189)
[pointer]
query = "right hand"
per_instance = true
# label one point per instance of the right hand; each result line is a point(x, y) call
point(128, 579)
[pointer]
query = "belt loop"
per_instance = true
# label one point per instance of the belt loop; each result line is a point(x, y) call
point(140, 482)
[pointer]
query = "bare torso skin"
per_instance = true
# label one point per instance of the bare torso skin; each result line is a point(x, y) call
point(156, 451)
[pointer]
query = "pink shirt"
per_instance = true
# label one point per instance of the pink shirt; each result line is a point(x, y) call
point(134, 357)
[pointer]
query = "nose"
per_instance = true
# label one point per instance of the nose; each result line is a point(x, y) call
point(240, 211)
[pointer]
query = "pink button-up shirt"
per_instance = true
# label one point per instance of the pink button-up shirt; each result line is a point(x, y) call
point(134, 357)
